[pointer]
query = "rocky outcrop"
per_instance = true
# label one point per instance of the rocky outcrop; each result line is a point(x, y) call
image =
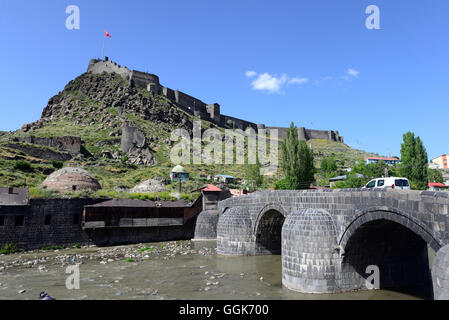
point(134, 144)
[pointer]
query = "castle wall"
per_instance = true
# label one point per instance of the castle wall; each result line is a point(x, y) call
point(169, 93)
point(197, 107)
point(100, 66)
point(235, 123)
point(69, 144)
point(142, 80)
point(191, 103)
point(308, 134)
point(213, 111)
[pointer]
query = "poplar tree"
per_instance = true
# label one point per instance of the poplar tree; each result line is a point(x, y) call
point(420, 170)
point(297, 161)
point(414, 161)
point(290, 158)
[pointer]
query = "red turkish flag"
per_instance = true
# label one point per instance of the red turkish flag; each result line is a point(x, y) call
point(106, 34)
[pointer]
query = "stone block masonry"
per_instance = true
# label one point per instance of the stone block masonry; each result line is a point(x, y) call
point(328, 238)
point(45, 222)
point(196, 107)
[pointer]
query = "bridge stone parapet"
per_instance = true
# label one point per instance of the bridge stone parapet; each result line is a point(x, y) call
point(390, 228)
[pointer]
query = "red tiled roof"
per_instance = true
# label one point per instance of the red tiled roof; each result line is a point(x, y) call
point(437, 184)
point(382, 158)
point(211, 187)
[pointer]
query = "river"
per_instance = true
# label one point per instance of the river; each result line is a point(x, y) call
point(171, 270)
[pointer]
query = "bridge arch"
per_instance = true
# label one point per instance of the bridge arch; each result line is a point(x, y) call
point(393, 241)
point(267, 229)
point(391, 214)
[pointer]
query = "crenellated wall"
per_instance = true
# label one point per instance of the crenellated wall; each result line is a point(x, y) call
point(197, 107)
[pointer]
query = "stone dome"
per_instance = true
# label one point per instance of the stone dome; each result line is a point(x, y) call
point(234, 231)
point(71, 179)
point(309, 255)
point(149, 186)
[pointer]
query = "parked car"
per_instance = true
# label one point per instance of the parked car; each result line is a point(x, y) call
point(390, 182)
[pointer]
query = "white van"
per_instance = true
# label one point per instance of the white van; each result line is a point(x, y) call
point(391, 182)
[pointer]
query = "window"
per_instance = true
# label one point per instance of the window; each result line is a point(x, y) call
point(380, 183)
point(76, 219)
point(398, 183)
point(2, 221)
point(47, 221)
point(405, 183)
point(19, 221)
point(371, 184)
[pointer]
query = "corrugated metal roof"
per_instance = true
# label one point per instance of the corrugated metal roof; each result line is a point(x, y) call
point(225, 176)
point(381, 158)
point(136, 203)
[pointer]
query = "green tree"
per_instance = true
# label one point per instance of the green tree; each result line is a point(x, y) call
point(414, 161)
point(253, 174)
point(281, 184)
point(328, 165)
point(435, 176)
point(306, 166)
point(290, 158)
point(408, 155)
point(420, 169)
point(297, 161)
point(57, 164)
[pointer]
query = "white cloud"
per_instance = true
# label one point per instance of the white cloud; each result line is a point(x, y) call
point(268, 82)
point(250, 73)
point(298, 80)
point(353, 72)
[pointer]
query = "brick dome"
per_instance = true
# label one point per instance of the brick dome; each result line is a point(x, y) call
point(71, 179)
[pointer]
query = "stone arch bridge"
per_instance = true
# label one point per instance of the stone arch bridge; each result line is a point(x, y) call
point(328, 238)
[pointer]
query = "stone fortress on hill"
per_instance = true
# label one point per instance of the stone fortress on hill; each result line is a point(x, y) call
point(196, 107)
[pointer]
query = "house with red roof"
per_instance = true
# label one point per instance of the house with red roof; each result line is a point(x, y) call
point(437, 186)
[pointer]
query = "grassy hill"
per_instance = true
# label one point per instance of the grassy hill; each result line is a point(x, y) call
point(94, 108)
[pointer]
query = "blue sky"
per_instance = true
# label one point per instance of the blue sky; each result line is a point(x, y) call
point(273, 62)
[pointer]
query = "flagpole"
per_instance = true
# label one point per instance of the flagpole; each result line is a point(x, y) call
point(103, 48)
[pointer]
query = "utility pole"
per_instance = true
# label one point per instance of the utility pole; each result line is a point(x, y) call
point(386, 173)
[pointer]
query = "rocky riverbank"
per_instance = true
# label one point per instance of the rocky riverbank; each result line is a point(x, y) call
point(40, 259)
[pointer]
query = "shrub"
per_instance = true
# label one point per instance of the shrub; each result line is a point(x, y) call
point(281, 185)
point(52, 247)
point(57, 164)
point(9, 248)
point(37, 193)
point(23, 165)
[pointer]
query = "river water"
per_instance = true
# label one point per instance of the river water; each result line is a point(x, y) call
point(187, 270)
